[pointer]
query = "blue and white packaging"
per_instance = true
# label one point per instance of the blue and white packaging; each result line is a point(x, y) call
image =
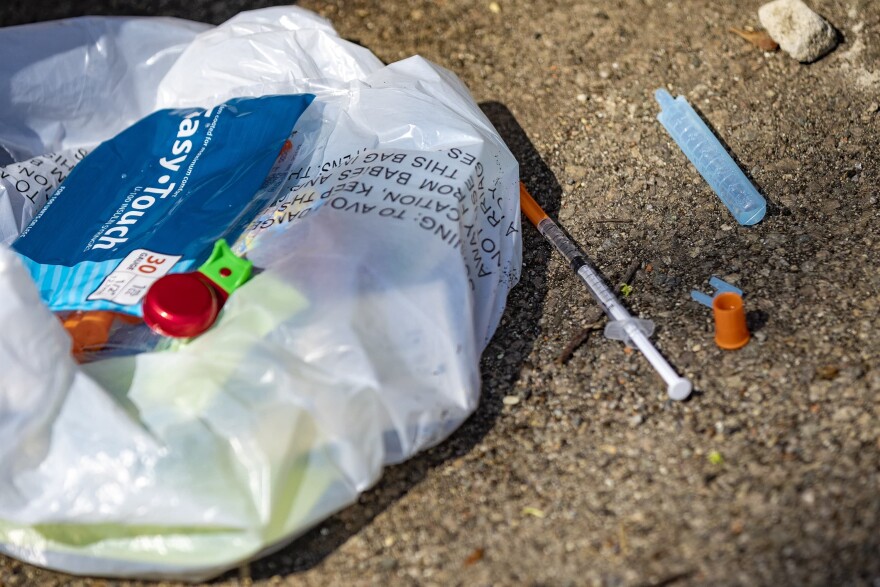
point(154, 199)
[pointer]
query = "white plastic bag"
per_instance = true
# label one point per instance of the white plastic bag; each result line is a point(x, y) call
point(384, 266)
point(74, 83)
point(67, 85)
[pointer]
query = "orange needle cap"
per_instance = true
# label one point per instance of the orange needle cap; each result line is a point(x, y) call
point(731, 331)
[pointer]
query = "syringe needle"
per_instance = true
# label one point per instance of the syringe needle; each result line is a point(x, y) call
point(622, 325)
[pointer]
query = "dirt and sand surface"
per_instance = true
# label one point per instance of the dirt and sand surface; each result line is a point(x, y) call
point(582, 472)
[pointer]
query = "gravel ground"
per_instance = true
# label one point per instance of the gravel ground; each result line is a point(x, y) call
point(583, 473)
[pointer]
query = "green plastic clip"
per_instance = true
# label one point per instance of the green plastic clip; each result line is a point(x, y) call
point(227, 270)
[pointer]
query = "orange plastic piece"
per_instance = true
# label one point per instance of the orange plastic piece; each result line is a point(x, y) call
point(530, 207)
point(89, 331)
point(731, 332)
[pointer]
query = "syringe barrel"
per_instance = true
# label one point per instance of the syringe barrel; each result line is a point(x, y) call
point(579, 264)
point(562, 243)
point(603, 294)
point(710, 158)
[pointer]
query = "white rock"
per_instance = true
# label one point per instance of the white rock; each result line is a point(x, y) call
point(800, 32)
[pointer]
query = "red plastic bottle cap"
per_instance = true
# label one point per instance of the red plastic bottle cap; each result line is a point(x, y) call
point(181, 305)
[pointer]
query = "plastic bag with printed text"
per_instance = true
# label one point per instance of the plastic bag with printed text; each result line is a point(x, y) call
point(383, 259)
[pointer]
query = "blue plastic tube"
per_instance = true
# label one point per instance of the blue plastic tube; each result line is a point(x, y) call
point(709, 157)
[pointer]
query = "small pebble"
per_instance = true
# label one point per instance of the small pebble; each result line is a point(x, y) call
point(387, 563)
point(800, 32)
point(510, 400)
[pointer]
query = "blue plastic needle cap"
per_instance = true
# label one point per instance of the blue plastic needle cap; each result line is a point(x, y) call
point(709, 157)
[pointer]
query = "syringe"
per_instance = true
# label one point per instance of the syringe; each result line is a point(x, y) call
point(622, 325)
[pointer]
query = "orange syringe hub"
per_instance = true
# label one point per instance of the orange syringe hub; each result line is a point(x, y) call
point(731, 331)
